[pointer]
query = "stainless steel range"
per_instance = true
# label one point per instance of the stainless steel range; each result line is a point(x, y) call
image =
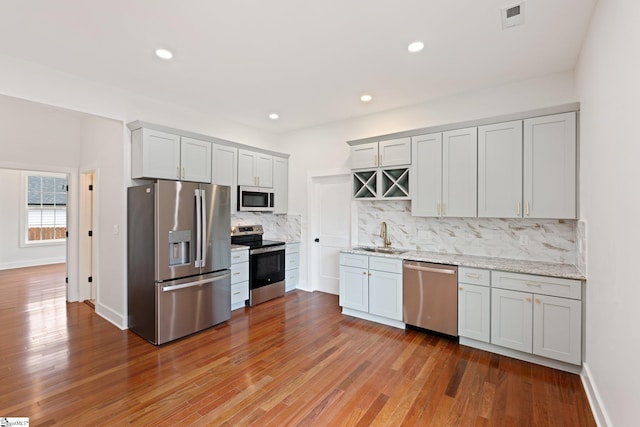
point(266, 263)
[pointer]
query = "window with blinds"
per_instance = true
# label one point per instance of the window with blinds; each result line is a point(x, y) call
point(46, 207)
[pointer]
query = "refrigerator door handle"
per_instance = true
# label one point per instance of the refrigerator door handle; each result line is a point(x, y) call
point(198, 228)
point(196, 283)
point(203, 230)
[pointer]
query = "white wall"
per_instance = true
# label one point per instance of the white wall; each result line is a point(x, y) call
point(608, 84)
point(12, 254)
point(103, 149)
point(324, 148)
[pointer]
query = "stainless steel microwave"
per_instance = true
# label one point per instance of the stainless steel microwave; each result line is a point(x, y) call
point(255, 199)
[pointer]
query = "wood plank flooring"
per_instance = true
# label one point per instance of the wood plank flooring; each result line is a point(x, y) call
point(292, 361)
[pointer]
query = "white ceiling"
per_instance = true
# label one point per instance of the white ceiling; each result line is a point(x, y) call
point(309, 61)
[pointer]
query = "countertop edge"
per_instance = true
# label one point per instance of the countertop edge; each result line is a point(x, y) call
point(565, 271)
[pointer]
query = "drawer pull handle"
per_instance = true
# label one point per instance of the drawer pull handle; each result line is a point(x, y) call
point(237, 273)
point(237, 293)
point(473, 275)
point(536, 284)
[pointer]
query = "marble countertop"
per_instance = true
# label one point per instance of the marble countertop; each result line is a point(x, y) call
point(566, 271)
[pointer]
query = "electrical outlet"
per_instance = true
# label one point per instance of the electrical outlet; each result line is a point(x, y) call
point(524, 240)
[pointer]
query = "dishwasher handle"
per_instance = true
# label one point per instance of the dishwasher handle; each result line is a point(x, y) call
point(430, 269)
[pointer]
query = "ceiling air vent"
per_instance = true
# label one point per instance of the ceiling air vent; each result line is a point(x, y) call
point(512, 15)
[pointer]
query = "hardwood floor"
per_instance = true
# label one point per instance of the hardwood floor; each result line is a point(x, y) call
point(291, 361)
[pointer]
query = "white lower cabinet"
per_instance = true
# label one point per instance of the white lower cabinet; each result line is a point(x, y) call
point(291, 266)
point(557, 328)
point(385, 293)
point(474, 304)
point(371, 288)
point(239, 277)
point(546, 322)
point(512, 319)
point(354, 288)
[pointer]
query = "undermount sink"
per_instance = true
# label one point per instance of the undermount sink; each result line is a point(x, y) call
point(381, 250)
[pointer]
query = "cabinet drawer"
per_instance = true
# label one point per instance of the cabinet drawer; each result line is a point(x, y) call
point(239, 256)
point(474, 276)
point(239, 292)
point(292, 277)
point(390, 265)
point(554, 286)
point(354, 260)
point(292, 248)
point(239, 272)
point(291, 261)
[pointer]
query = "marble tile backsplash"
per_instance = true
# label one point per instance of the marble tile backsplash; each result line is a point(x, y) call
point(276, 227)
point(581, 246)
point(546, 240)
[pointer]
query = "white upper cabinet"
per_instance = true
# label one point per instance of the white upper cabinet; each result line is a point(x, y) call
point(550, 166)
point(500, 170)
point(426, 154)
point(224, 170)
point(364, 156)
point(280, 185)
point(155, 154)
point(459, 172)
point(195, 160)
point(162, 155)
point(392, 152)
point(255, 169)
point(445, 174)
point(387, 173)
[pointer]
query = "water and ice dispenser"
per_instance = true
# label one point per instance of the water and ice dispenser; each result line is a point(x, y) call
point(179, 243)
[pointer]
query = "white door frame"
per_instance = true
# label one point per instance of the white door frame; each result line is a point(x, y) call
point(312, 256)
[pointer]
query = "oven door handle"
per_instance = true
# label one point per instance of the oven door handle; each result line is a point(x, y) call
point(258, 251)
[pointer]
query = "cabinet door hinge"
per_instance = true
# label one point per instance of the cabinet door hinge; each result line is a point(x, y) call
point(90, 187)
point(66, 280)
point(90, 233)
point(90, 279)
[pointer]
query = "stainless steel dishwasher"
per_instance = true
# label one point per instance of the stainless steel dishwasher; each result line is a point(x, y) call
point(430, 296)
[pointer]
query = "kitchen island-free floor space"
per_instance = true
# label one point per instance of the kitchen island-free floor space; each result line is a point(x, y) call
point(289, 361)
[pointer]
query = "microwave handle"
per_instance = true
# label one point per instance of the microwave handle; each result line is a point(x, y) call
point(271, 199)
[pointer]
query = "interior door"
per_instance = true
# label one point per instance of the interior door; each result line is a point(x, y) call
point(330, 219)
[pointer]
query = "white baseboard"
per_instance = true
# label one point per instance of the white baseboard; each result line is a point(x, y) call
point(32, 263)
point(599, 412)
point(304, 286)
point(112, 316)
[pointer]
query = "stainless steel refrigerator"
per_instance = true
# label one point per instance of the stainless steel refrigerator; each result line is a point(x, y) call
point(178, 258)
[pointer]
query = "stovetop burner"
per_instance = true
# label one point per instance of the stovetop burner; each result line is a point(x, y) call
point(251, 235)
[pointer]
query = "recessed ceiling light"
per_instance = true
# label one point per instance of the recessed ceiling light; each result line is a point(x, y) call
point(366, 98)
point(274, 116)
point(164, 54)
point(416, 47)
